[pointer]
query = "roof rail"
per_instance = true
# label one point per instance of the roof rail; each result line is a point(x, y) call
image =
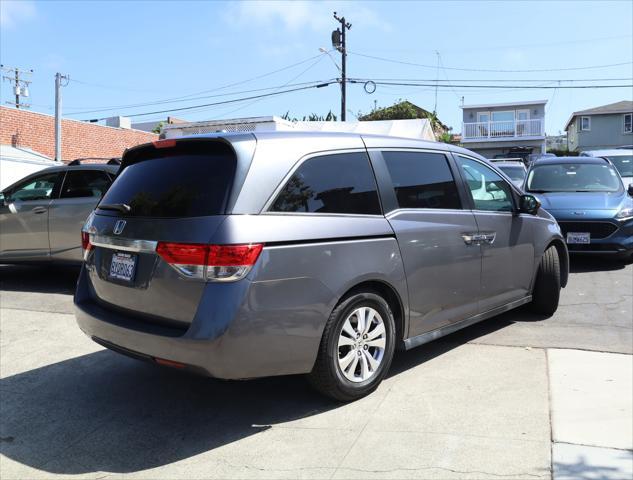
point(106, 160)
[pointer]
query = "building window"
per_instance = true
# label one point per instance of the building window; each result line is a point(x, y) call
point(628, 123)
point(585, 124)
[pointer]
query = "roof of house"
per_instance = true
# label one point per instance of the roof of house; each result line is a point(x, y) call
point(23, 154)
point(506, 104)
point(625, 106)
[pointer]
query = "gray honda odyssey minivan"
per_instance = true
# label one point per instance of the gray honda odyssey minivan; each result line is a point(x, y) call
point(258, 254)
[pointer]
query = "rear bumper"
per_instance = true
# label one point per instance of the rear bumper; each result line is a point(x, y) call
point(247, 341)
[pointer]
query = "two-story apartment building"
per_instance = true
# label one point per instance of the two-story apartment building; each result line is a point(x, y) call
point(597, 128)
point(504, 129)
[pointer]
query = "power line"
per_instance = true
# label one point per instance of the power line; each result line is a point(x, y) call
point(504, 79)
point(592, 67)
point(224, 102)
point(526, 87)
point(233, 84)
point(163, 102)
point(283, 86)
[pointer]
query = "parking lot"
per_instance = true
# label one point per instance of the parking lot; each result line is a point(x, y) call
point(514, 397)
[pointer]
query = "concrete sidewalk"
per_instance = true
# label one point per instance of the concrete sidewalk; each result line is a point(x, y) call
point(592, 422)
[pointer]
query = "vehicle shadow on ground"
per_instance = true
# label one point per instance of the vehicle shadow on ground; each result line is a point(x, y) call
point(581, 470)
point(588, 264)
point(39, 279)
point(104, 412)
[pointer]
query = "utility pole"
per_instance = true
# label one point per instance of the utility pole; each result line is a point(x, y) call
point(58, 114)
point(20, 86)
point(437, 80)
point(338, 42)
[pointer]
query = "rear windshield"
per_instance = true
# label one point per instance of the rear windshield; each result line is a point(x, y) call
point(624, 164)
point(515, 173)
point(175, 185)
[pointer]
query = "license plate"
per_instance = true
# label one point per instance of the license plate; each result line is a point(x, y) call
point(123, 266)
point(578, 237)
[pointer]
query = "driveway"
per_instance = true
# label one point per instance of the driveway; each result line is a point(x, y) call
point(513, 397)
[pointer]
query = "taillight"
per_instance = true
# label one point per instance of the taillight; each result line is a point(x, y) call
point(214, 263)
point(85, 243)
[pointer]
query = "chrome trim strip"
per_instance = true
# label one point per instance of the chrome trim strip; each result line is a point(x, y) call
point(326, 241)
point(453, 327)
point(124, 244)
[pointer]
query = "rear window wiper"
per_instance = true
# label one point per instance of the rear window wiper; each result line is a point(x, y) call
point(119, 207)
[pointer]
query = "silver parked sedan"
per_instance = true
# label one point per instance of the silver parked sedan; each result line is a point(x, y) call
point(273, 253)
point(41, 215)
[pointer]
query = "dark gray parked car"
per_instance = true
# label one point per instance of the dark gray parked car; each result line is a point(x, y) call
point(250, 255)
point(41, 214)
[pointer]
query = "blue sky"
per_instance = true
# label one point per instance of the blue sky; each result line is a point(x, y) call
point(123, 53)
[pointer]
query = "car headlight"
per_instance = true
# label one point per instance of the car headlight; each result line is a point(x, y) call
point(625, 213)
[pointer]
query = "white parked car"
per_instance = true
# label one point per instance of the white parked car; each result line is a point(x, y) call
point(622, 159)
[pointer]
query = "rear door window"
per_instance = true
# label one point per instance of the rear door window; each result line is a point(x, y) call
point(422, 180)
point(176, 183)
point(85, 183)
point(337, 183)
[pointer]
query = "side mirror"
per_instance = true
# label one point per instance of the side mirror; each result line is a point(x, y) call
point(529, 204)
point(630, 189)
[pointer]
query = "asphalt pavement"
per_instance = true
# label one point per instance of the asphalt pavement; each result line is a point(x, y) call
point(516, 396)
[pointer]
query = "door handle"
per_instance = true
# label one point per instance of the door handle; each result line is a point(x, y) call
point(470, 238)
point(479, 238)
point(39, 210)
point(488, 237)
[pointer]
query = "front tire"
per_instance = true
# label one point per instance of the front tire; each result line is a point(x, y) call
point(356, 348)
point(546, 293)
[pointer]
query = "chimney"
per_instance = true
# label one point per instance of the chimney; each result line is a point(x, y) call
point(119, 122)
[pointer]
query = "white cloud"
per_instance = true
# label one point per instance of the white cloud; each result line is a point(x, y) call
point(13, 12)
point(301, 14)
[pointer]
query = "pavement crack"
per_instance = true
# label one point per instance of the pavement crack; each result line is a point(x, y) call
point(446, 469)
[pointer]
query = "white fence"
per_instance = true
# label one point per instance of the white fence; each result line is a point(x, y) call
point(512, 128)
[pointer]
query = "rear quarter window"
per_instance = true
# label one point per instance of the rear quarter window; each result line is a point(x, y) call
point(337, 183)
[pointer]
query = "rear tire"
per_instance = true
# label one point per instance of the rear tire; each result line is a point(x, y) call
point(351, 362)
point(546, 293)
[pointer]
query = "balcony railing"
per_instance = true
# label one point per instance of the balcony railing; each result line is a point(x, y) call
point(506, 129)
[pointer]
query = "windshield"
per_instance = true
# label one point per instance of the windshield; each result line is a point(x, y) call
point(515, 173)
point(573, 177)
point(624, 164)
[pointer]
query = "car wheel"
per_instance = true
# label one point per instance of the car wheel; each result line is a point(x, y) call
point(356, 348)
point(546, 292)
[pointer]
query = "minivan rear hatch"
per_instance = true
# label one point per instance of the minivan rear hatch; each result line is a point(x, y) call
point(166, 193)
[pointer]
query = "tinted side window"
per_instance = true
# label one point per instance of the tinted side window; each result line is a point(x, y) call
point(422, 180)
point(38, 188)
point(339, 183)
point(488, 190)
point(85, 183)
